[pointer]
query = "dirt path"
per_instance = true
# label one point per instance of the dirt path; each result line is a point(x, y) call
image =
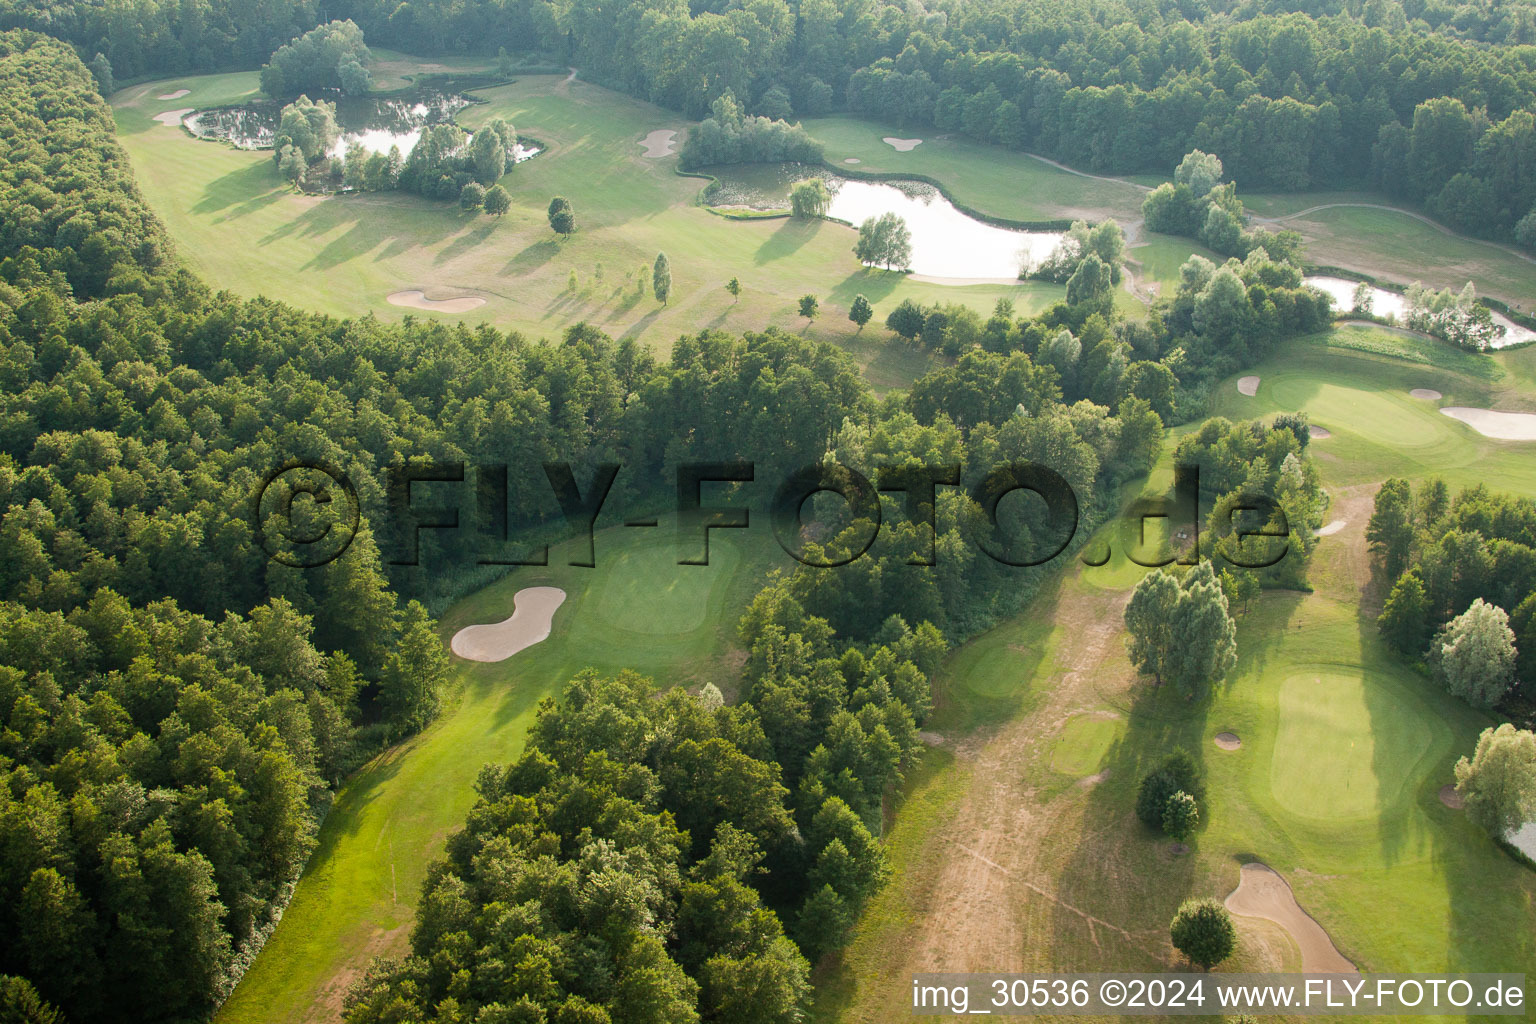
point(1085, 174)
point(1395, 209)
point(993, 899)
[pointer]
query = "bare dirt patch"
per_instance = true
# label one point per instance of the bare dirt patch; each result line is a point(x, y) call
point(1228, 741)
point(1248, 386)
point(1505, 426)
point(173, 118)
point(1451, 798)
point(902, 145)
point(533, 611)
point(661, 142)
point(1428, 394)
point(417, 299)
point(1263, 892)
point(178, 94)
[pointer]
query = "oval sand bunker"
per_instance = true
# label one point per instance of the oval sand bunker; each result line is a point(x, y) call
point(178, 94)
point(1451, 798)
point(902, 145)
point(659, 143)
point(533, 610)
point(416, 299)
point(1319, 433)
point(173, 117)
point(1228, 741)
point(1506, 426)
point(1262, 892)
point(1248, 386)
point(1428, 394)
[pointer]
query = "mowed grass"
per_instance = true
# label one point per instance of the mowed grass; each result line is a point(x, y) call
point(996, 181)
point(241, 228)
point(1344, 749)
point(1379, 430)
point(637, 609)
point(1395, 246)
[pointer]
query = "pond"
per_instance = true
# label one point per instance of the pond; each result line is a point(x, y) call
point(1388, 303)
point(946, 243)
point(376, 123)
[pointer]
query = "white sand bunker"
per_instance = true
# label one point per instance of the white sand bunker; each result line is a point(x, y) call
point(533, 610)
point(659, 143)
point(1331, 529)
point(1428, 394)
point(1524, 839)
point(173, 117)
point(178, 94)
point(416, 299)
point(1318, 433)
point(1262, 892)
point(1228, 741)
point(852, 160)
point(1248, 386)
point(902, 145)
point(1506, 426)
point(1451, 798)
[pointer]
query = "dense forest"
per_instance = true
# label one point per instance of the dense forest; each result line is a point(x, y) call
point(176, 707)
point(1428, 101)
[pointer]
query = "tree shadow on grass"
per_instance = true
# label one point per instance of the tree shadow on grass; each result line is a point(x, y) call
point(471, 238)
point(532, 257)
point(242, 192)
point(787, 240)
point(874, 285)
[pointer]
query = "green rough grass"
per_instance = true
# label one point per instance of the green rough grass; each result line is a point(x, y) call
point(1084, 743)
point(637, 609)
point(1344, 749)
point(1394, 246)
point(1378, 429)
point(996, 181)
point(240, 228)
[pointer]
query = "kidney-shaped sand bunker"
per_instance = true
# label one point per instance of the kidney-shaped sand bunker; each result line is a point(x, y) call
point(533, 610)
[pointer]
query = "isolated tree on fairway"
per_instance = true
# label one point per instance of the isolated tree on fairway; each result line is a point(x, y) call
point(1149, 620)
point(861, 311)
point(661, 278)
point(734, 287)
point(809, 306)
point(1180, 816)
point(1176, 773)
point(414, 673)
point(497, 201)
point(471, 196)
point(809, 199)
point(1499, 782)
point(1200, 171)
point(1474, 655)
point(885, 241)
point(562, 217)
point(1390, 531)
point(1182, 632)
point(1203, 931)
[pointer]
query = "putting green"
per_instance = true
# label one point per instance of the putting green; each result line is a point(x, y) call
point(1339, 754)
point(644, 590)
point(1084, 743)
